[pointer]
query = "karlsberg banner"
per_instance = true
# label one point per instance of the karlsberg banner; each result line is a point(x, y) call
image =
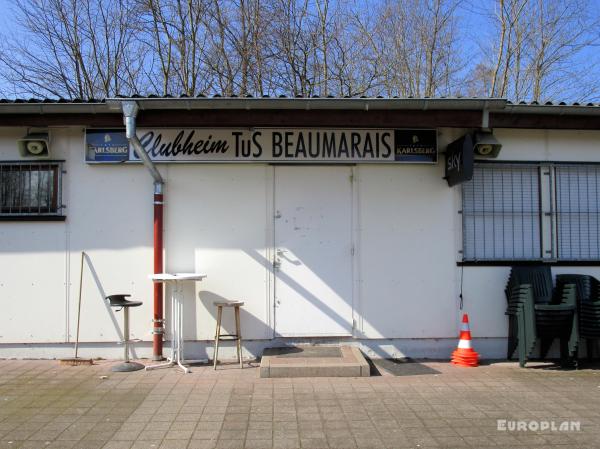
point(269, 145)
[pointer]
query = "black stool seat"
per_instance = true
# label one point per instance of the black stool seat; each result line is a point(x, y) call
point(120, 301)
point(123, 304)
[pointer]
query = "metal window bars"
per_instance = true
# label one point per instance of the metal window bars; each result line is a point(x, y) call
point(501, 213)
point(30, 188)
point(578, 211)
point(503, 216)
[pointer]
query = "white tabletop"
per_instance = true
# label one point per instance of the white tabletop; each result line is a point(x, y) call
point(166, 277)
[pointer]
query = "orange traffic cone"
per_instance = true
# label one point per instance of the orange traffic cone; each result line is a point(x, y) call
point(464, 355)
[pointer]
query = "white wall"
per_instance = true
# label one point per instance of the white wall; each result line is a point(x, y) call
point(33, 271)
point(548, 145)
point(216, 222)
point(109, 216)
point(218, 219)
point(406, 252)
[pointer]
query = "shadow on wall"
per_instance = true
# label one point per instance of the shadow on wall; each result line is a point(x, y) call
point(300, 289)
point(103, 295)
point(247, 320)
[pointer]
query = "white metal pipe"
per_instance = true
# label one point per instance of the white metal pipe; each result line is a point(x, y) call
point(130, 109)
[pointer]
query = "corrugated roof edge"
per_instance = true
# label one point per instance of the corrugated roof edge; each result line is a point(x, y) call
point(113, 105)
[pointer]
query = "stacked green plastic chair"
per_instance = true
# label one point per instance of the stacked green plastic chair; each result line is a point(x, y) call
point(588, 305)
point(537, 312)
point(559, 320)
point(521, 313)
point(539, 278)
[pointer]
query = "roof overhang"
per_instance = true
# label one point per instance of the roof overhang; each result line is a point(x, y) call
point(303, 112)
point(43, 108)
point(551, 109)
point(307, 104)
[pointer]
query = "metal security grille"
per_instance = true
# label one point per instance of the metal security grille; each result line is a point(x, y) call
point(28, 189)
point(501, 213)
point(577, 211)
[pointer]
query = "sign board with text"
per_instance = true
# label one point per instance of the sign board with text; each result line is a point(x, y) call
point(459, 161)
point(272, 145)
point(106, 145)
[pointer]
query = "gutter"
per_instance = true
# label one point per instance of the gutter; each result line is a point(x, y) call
point(130, 110)
point(360, 104)
point(55, 108)
point(588, 110)
point(117, 105)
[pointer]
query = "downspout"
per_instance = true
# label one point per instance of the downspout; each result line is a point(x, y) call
point(130, 109)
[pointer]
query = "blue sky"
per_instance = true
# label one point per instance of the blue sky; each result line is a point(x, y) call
point(472, 23)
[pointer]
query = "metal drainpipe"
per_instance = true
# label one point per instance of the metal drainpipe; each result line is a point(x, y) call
point(130, 109)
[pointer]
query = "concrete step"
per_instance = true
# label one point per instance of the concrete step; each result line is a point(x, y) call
point(313, 361)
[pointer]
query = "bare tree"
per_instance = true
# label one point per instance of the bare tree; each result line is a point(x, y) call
point(562, 31)
point(417, 46)
point(355, 65)
point(509, 17)
point(72, 48)
point(292, 47)
point(174, 33)
point(237, 50)
point(478, 82)
point(101, 48)
point(536, 47)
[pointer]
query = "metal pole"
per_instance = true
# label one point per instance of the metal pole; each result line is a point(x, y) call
point(79, 305)
point(126, 333)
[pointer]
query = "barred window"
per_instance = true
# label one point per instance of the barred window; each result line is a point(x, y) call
point(577, 211)
point(30, 189)
point(501, 213)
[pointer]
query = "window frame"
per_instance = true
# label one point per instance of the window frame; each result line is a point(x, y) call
point(54, 212)
point(560, 214)
point(549, 219)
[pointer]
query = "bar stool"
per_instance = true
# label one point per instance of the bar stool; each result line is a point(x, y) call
point(238, 333)
point(124, 304)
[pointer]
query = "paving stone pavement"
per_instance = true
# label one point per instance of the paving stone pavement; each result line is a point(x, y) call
point(428, 404)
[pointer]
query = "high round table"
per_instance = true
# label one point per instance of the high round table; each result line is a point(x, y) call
point(176, 280)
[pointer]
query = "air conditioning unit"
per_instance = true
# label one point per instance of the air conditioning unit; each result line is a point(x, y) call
point(34, 146)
